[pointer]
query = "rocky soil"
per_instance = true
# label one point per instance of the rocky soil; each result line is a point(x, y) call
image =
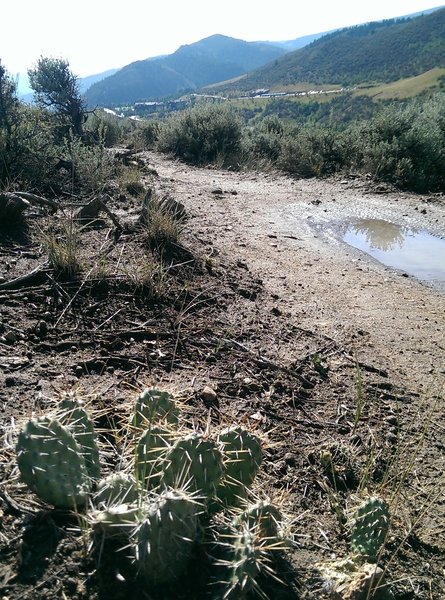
point(319, 347)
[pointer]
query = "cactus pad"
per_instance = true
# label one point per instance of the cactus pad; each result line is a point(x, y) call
point(116, 489)
point(151, 452)
point(152, 406)
point(52, 465)
point(264, 518)
point(369, 527)
point(72, 414)
point(195, 462)
point(165, 538)
point(242, 459)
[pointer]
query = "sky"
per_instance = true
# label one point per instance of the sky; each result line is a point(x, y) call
point(94, 35)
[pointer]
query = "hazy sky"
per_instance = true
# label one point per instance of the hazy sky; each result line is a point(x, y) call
point(94, 35)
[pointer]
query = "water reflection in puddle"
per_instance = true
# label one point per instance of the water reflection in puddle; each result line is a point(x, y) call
point(416, 252)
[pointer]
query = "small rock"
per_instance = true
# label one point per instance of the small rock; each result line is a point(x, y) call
point(217, 191)
point(290, 459)
point(10, 337)
point(209, 397)
point(42, 328)
point(9, 381)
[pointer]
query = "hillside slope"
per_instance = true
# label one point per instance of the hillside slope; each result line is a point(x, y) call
point(383, 51)
point(212, 59)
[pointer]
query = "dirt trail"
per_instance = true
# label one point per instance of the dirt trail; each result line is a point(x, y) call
point(275, 226)
point(266, 305)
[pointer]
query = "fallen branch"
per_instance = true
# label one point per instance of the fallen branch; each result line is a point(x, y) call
point(33, 199)
point(30, 277)
point(91, 211)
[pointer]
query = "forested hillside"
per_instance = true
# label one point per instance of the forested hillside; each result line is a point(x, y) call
point(381, 51)
point(212, 59)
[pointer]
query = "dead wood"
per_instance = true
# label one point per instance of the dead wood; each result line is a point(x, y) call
point(13, 204)
point(91, 211)
point(31, 277)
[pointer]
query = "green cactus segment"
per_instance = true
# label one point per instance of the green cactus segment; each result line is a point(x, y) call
point(245, 559)
point(52, 465)
point(370, 524)
point(116, 489)
point(72, 414)
point(266, 520)
point(153, 406)
point(196, 463)
point(118, 521)
point(165, 538)
point(151, 452)
point(242, 459)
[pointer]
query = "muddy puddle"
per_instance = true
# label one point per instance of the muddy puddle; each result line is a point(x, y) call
point(417, 253)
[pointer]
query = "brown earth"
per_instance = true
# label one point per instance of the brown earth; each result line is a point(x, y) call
point(324, 350)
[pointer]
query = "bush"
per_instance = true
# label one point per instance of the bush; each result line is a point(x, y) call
point(264, 141)
point(149, 133)
point(309, 152)
point(202, 135)
point(91, 166)
point(405, 145)
point(104, 129)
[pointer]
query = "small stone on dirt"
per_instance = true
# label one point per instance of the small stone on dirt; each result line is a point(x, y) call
point(209, 396)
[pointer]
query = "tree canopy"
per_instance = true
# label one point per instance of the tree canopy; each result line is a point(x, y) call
point(57, 88)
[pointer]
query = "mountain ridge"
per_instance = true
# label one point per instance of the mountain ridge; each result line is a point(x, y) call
point(191, 66)
point(378, 51)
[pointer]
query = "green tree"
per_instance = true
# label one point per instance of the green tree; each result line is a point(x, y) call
point(56, 88)
point(9, 115)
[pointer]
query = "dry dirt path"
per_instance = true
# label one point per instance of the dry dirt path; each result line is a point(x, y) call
point(282, 229)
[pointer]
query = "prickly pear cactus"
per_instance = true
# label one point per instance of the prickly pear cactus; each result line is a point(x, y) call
point(152, 406)
point(195, 462)
point(116, 489)
point(266, 519)
point(164, 539)
point(52, 465)
point(117, 521)
point(369, 527)
point(150, 456)
point(72, 414)
point(244, 560)
point(242, 459)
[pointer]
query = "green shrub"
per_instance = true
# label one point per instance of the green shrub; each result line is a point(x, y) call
point(405, 145)
point(202, 135)
point(104, 129)
point(264, 140)
point(149, 133)
point(91, 166)
point(309, 152)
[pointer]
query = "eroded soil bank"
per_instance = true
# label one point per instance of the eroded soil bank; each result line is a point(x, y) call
point(324, 350)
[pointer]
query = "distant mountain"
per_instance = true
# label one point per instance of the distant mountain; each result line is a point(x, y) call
point(87, 82)
point(299, 42)
point(26, 94)
point(192, 66)
point(382, 51)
